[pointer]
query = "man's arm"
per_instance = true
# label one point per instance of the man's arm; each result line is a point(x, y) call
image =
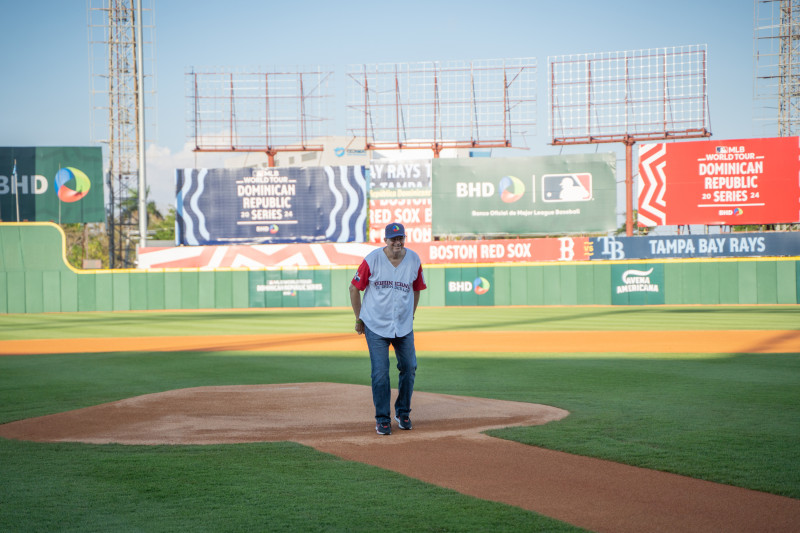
point(416, 301)
point(355, 302)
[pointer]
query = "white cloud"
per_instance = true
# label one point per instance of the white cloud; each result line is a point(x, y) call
point(161, 164)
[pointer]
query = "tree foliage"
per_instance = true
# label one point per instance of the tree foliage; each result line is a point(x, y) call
point(90, 241)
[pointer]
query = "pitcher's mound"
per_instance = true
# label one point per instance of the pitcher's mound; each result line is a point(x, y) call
point(301, 412)
point(444, 448)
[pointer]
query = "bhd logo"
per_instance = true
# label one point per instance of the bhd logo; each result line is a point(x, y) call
point(474, 189)
point(479, 286)
point(509, 189)
point(75, 177)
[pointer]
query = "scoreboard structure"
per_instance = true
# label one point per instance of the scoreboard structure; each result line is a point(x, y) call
point(639, 95)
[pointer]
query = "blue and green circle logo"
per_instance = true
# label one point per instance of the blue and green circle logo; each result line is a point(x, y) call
point(72, 184)
point(481, 285)
point(511, 189)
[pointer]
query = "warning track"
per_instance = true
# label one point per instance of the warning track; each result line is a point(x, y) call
point(670, 342)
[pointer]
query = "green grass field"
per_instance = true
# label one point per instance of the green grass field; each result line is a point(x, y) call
point(729, 418)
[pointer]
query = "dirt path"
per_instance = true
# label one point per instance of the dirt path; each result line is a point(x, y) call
point(446, 446)
point(723, 341)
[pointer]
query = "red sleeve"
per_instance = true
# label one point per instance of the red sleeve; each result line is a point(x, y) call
point(419, 283)
point(361, 279)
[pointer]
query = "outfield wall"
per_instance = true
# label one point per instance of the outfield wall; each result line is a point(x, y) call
point(35, 278)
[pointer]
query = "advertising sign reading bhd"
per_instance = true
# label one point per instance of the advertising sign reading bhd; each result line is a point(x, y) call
point(730, 182)
point(62, 184)
point(524, 195)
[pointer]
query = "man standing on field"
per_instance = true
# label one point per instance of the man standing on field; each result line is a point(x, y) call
point(391, 278)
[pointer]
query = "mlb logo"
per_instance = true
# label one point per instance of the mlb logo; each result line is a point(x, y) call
point(567, 187)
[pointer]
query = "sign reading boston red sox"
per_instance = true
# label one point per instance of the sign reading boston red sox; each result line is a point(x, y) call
point(414, 214)
point(731, 182)
point(524, 195)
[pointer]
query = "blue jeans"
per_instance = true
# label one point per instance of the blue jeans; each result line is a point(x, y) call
point(407, 365)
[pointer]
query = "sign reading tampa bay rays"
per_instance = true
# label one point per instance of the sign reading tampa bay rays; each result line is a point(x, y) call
point(271, 205)
point(524, 195)
point(730, 182)
point(400, 191)
point(773, 244)
point(62, 184)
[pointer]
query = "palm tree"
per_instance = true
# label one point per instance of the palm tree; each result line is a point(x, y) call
point(129, 208)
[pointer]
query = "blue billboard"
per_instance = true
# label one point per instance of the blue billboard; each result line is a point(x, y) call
point(271, 205)
point(690, 246)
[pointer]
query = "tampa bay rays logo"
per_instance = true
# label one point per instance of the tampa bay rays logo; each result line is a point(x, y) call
point(612, 248)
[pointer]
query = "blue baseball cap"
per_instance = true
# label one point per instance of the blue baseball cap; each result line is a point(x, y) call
point(395, 229)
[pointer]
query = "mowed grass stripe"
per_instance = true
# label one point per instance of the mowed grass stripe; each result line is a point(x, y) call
point(667, 342)
point(340, 320)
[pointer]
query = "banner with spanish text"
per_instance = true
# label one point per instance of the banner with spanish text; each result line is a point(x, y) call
point(729, 182)
point(524, 195)
point(272, 205)
point(637, 284)
point(400, 191)
point(399, 179)
point(415, 214)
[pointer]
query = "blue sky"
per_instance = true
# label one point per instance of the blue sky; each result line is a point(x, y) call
point(45, 90)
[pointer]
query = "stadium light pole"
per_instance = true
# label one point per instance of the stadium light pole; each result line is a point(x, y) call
point(629, 186)
point(140, 130)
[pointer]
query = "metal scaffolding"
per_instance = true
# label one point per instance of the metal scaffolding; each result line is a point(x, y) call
point(630, 96)
point(257, 110)
point(432, 105)
point(777, 65)
point(117, 86)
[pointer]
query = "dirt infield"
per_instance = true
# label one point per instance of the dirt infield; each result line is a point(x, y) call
point(446, 446)
point(679, 342)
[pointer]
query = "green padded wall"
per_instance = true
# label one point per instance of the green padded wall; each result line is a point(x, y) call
point(35, 278)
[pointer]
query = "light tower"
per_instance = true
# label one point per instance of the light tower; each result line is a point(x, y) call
point(116, 45)
point(777, 64)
